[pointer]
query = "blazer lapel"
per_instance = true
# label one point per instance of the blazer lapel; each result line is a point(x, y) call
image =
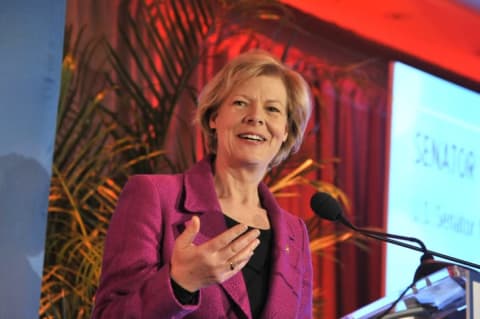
point(283, 287)
point(201, 199)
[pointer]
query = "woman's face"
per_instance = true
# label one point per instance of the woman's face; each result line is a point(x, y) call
point(251, 123)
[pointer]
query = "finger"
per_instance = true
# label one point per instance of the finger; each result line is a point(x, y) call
point(239, 260)
point(244, 244)
point(237, 266)
point(190, 232)
point(224, 239)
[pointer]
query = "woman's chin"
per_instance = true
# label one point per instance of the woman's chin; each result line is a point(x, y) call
point(255, 162)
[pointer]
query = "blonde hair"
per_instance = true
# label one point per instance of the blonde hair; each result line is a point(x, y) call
point(244, 67)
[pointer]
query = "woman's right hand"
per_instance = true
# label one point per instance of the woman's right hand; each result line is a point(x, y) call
point(194, 267)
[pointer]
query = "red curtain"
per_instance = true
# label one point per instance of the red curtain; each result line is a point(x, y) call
point(360, 143)
point(353, 125)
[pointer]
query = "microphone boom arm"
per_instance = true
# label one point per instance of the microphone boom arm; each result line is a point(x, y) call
point(375, 235)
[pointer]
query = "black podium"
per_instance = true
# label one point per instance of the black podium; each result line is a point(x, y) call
point(452, 292)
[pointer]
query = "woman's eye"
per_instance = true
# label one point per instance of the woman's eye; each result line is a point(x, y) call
point(273, 109)
point(239, 103)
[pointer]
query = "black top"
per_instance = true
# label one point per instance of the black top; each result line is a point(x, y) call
point(256, 274)
point(257, 271)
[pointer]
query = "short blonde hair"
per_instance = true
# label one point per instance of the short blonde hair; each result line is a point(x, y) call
point(244, 67)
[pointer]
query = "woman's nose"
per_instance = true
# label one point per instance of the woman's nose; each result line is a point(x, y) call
point(254, 116)
point(253, 119)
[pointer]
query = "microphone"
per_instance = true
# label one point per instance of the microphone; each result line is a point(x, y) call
point(327, 207)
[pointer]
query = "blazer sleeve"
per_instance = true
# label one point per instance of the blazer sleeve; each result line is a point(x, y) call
point(306, 299)
point(135, 282)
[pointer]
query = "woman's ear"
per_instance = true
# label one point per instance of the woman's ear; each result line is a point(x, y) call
point(286, 134)
point(212, 122)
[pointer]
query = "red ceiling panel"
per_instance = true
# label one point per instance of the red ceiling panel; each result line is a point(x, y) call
point(442, 33)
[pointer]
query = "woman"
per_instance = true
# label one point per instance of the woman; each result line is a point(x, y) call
point(213, 242)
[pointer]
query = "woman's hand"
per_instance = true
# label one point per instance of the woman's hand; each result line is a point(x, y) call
point(194, 267)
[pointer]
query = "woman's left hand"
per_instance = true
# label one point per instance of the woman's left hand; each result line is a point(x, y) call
point(194, 267)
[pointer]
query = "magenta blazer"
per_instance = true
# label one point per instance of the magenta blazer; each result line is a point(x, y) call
point(151, 213)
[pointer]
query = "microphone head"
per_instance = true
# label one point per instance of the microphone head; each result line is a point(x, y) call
point(326, 207)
